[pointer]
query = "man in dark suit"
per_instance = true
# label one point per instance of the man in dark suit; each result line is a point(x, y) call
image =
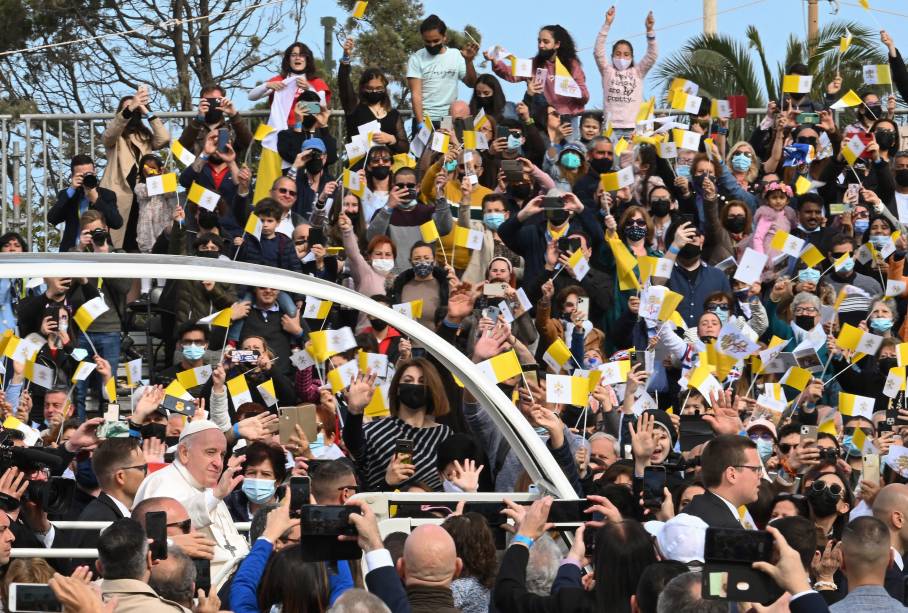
point(82, 194)
point(790, 575)
point(891, 507)
point(731, 471)
point(120, 467)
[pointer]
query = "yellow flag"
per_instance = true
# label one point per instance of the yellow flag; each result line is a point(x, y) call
point(646, 109)
point(797, 84)
point(429, 231)
point(802, 186)
point(625, 263)
point(620, 147)
point(359, 9)
point(811, 256)
point(220, 319)
point(110, 390)
point(828, 427)
point(262, 131)
point(89, 312)
point(845, 41)
point(501, 367)
point(865, 4)
point(848, 100)
point(181, 153)
point(253, 226)
point(557, 355)
point(797, 378)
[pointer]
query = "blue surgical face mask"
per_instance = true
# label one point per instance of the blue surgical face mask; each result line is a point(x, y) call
point(722, 314)
point(318, 443)
point(493, 220)
point(193, 352)
point(809, 275)
point(571, 161)
point(514, 142)
point(258, 490)
point(683, 171)
point(591, 363)
point(849, 446)
point(764, 448)
point(451, 166)
point(847, 265)
point(740, 162)
point(881, 324)
point(861, 225)
point(879, 241)
point(621, 63)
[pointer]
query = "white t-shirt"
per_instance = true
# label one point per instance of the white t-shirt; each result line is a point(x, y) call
point(441, 75)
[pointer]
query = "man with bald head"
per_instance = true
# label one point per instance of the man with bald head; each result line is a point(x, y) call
point(198, 481)
point(891, 507)
point(428, 567)
point(179, 527)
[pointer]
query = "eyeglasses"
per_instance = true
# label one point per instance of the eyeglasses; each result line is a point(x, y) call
point(756, 469)
point(716, 306)
point(761, 436)
point(786, 448)
point(806, 311)
point(405, 185)
point(284, 190)
point(185, 526)
point(142, 467)
point(834, 488)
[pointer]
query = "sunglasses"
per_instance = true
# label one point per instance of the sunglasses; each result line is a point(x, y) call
point(850, 430)
point(636, 222)
point(785, 448)
point(284, 190)
point(405, 185)
point(185, 526)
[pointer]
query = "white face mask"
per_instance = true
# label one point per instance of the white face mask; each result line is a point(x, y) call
point(621, 63)
point(450, 488)
point(383, 266)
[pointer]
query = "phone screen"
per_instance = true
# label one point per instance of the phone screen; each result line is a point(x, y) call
point(156, 530)
point(653, 485)
point(731, 545)
point(33, 597)
point(223, 137)
point(299, 494)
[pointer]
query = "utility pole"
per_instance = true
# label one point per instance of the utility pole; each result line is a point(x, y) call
point(813, 25)
point(328, 23)
point(709, 17)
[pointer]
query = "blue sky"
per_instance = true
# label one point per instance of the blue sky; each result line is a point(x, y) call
point(510, 24)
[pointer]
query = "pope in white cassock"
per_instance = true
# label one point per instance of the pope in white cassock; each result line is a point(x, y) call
point(195, 479)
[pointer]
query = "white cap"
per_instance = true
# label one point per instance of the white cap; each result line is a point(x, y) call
point(194, 427)
point(683, 538)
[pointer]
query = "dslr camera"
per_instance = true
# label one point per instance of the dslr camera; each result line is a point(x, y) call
point(53, 495)
point(828, 455)
point(90, 181)
point(100, 236)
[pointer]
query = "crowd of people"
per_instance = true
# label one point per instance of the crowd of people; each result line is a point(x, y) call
point(707, 336)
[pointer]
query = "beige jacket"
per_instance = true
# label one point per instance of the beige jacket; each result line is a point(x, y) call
point(134, 596)
point(123, 153)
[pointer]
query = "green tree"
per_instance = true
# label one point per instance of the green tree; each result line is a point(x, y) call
point(723, 66)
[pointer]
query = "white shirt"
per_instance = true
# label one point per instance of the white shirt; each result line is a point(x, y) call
point(748, 522)
point(897, 558)
point(124, 510)
point(209, 515)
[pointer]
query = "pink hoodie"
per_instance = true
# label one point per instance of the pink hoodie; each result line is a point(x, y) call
point(622, 90)
point(563, 104)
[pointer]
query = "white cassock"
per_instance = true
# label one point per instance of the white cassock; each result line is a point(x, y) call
point(208, 514)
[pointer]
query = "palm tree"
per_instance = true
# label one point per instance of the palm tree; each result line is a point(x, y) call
point(722, 66)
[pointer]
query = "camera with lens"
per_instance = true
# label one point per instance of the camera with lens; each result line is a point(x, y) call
point(53, 495)
point(100, 236)
point(828, 455)
point(90, 181)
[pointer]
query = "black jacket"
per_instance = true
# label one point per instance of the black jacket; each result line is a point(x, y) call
point(67, 210)
point(511, 594)
point(713, 510)
point(102, 508)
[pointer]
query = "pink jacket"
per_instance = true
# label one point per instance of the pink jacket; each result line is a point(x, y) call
point(563, 104)
point(622, 90)
point(768, 221)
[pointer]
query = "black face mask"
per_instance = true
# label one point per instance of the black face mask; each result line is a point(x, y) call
point(805, 322)
point(601, 165)
point(170, 441)
point(373, 97)
point(545, 54)
point(689, 251)
point(659, 208)
point(434, 49)
point(557, 217)
point(315, 165)
point(484, 102)
point(353, 217)
point(823, 502)
point(735, 224)
point(209, 254)
point(521, 191)
point(873, 112)
point(885, 139)
point(309, 122)
point(380, 172)
point(377, 324)
point(885, 364)
point(154, 431)
point(414, 396)
point(901, 177)
point(807, 140)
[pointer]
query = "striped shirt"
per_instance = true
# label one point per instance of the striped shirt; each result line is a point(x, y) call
point(380, 438)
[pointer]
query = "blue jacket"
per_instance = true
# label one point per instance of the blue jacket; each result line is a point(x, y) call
point(282, 253)
point(708, 281)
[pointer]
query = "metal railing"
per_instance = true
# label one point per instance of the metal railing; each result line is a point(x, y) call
point(35, 150)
